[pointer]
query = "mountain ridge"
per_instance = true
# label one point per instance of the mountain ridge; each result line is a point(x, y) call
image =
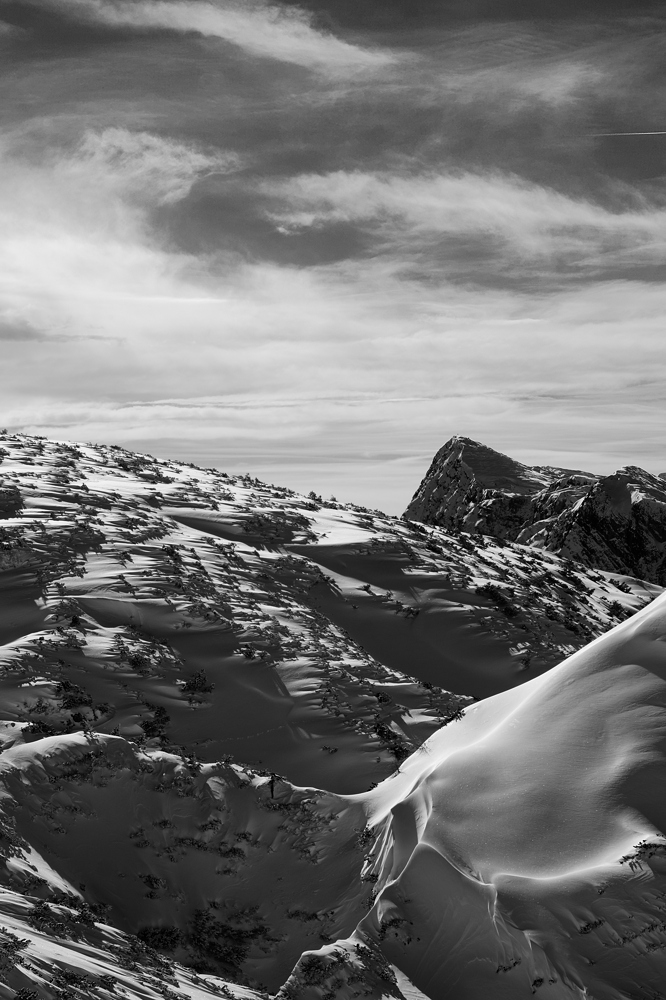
point(233, 694)
point(615, 523)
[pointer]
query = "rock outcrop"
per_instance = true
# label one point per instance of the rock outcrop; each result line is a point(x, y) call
point(615, 523)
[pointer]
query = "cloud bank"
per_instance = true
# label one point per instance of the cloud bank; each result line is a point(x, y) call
point(261, 29)
point(318, 277)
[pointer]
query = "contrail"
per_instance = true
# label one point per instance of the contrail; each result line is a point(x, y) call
point(625, 133)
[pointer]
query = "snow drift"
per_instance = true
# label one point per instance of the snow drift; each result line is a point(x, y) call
point(521, 850)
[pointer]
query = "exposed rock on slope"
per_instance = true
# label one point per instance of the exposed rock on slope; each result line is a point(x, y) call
point(615, 523)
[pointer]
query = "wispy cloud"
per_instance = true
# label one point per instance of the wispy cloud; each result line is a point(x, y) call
point(153, 168)
point(263, 29)
point(12, 328)
point(555, 81)
point(529, 218)
point(75, 234)
point(8, 31)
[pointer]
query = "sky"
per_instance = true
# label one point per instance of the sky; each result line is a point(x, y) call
point(312, 242)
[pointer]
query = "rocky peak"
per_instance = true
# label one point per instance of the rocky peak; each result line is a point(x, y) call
point(491, 469)
point(472, 487)
point(615, 522)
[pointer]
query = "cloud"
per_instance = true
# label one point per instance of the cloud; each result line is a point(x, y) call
point(78, 254)
point(517, 63)
point(265, 30)
point(529, 218)
point(8, 31)
point(17, 329)
point(145, 165)
point(257, 366)
point(556, 82)
point(80, 257)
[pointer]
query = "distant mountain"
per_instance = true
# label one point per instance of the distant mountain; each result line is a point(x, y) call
point(616, 523)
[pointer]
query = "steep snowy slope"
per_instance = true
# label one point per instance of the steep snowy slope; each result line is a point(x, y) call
point(60, 950)
point(615, 523)
point(127, 582)
point(522, 851)
point(233, 872)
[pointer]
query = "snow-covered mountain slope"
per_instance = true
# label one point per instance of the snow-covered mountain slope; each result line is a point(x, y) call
point(616, 523)
point(64, 950)
point(232, 872)
point(522, 850)
point(202, 677)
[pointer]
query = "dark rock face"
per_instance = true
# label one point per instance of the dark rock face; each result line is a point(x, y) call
point(10, 500)
point(470, 487)
point(620, 525)
point(615, 523)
